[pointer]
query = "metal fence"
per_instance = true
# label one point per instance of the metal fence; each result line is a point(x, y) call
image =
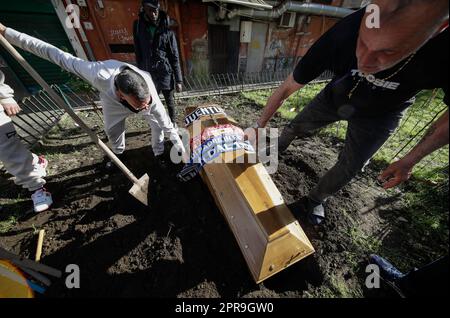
point(218, 84)
point(40, 113)
point(413, 127)
point(415, 123)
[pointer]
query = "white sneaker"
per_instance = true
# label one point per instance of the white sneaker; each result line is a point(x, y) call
point(42, 200)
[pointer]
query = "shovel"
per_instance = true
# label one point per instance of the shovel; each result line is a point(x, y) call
point(140, 187)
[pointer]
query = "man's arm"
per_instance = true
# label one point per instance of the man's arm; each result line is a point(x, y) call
point(160, 116)
point(7, 101)
point(436, 137)
point(84, 69)
point(277, 99)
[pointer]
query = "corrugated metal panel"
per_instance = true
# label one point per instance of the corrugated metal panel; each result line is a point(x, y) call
point(36, 18)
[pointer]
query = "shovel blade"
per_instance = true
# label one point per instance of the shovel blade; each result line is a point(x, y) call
point(140, 190)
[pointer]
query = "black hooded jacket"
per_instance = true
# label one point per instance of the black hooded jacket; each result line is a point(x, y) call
point(157, 54)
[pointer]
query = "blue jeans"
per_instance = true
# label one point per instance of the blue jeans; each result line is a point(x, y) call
point(364, 137)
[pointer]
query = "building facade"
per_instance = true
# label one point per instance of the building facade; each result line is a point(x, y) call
point(227, 36)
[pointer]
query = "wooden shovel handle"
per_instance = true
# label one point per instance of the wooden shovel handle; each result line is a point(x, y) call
point(69, 110)
point(40, 242)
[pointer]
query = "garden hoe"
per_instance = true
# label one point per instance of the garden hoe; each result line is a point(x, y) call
point(140, 187)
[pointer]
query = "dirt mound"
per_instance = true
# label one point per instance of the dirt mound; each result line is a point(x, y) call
point(181, 246)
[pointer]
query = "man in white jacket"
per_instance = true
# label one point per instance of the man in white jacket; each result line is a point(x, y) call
point(27, 168)
point(124, 90)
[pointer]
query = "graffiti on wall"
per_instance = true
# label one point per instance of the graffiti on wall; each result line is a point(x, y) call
point(278, 63)
point(275, 48)
point(120, 35)
point(198, 65)
point(242, 64)
point(278, 55)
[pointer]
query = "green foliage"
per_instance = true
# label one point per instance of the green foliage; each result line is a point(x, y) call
point(77, 84)
point(292, 105)
point(429, 210)
point(426, 109)
point(421, 224)
point(422, 236)
point(11, 210)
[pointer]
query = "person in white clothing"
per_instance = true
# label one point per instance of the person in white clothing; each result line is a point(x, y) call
point(28, 169)
point(124, 90)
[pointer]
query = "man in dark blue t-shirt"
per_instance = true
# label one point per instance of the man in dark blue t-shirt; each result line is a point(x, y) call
point(378, 71)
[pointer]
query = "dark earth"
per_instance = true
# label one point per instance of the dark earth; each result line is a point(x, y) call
point(181, 246)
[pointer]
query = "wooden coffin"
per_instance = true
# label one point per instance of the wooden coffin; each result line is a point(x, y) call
point(268, 235)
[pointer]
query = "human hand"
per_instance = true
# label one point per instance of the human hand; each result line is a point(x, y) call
point(396, 173)
point(2, 29)
point(11, 109)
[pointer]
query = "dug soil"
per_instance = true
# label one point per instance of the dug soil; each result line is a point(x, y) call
point(180, 245)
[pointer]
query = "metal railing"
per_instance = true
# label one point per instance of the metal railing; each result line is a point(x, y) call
point(229, 83)
point(40, 113)
point(415, 123)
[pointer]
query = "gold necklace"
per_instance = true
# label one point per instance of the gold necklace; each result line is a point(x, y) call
point(350, 94)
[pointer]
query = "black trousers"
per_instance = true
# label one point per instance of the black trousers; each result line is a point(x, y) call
point(364, 137)
point(170, 103)
point(429, 281)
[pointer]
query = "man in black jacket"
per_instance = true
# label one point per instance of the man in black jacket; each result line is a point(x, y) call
point(156, 51)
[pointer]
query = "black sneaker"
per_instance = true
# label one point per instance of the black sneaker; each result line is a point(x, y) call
point(161, 161)
point(315, 212)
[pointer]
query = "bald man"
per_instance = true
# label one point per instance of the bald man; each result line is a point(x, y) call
point(378, 71)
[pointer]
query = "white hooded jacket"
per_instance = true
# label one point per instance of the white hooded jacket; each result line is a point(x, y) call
point(101, 75)
point(6, 92)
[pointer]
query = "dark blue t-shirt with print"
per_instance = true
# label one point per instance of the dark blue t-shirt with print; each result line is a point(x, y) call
point(375, 95)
